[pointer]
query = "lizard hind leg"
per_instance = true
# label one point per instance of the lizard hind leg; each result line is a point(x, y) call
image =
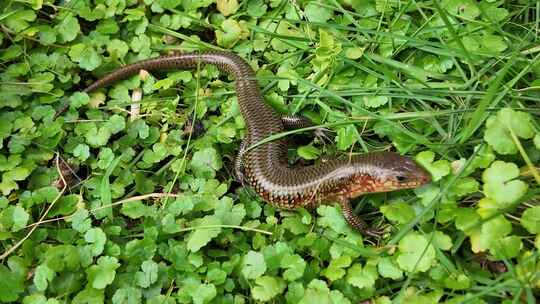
point(356, 222)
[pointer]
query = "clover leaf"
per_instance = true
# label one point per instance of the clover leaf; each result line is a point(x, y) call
point(388, 268)
point(438, 169)
point(399, 212)
point(336, 268)
point(499, 130)
point(332, 218)
point(206, 162)
point(68, 28)
point(102, 274)
point(316, 12)
point(43, 276)
point(530, 219)
point(501, 185)
point(231, 32)
point(415, 253)
point(253, 265)
point(11, 285)
point(227, 7)
point(362, 277)
point(86, 56)
point(127, 295)
point(19, 20)
point(267, 288)
point(148, 275)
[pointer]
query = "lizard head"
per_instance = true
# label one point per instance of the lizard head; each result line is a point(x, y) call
point(384, 172)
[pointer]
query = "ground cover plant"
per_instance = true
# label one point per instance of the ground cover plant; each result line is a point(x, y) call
point(115, 201)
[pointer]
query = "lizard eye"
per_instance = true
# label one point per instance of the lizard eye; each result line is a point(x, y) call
point(401, 178)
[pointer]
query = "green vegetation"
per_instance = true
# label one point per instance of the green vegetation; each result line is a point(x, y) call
point(110, 203)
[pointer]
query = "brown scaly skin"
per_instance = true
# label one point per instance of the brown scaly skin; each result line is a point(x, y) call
point(265, 166)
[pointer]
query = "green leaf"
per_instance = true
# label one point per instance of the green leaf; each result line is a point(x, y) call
point(267, 288)
point(63, 257)
point(464, 186)
point(128, 295)
point(442, 241)
point(97, 238)
point(204, 293)
point(332, 218)
point(492, 232)
point(20, 218)
point(362, 277)
point(373, 101)
point(467, 9)
point(294, 265)
point(318, 292)
point(205, 229)
point(228, 213)
point(104, 187)
point(16, 174)
point(172, 79)
point(19, 20)
point(335, 269)
point(253, 265)
point(466, 218)
point(148, 275)
point(68, 28)
point(536, 141)
point(97, 137)
point(354, 52)
point(227, 7)
point(136, 209)
point(346, 137)
point(43, 276)
point(457, 281)
point(500, 183)
point(82, 152)
point(115, 124)
point(206, 162)
point(438, 169)
point(106, 157)
point(256, 8)
point(80, 221)
point(499, 128)
point(78, 99)
point(230, 33)
point(10, 162)
point(493, 44)
point(89, 296)
point(506, 248)
point(11, 285)
point(315, 12)
point(295, 225)
point(3, 202)
point(399, 212)
point(491, 12)
point(530, 219)
point(117, 48)
point(85, 55)
point(415, 254)
point(308, 152)
point(38, 299)
point(191, 5)
point(108, 26)
point(388, 268)
point(102, 274)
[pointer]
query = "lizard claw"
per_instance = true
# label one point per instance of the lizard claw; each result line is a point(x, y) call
point(323, 135)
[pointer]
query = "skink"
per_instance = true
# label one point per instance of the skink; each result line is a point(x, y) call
point(265, 166)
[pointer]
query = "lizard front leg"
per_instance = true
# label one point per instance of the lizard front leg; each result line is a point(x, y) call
point(356, 222)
